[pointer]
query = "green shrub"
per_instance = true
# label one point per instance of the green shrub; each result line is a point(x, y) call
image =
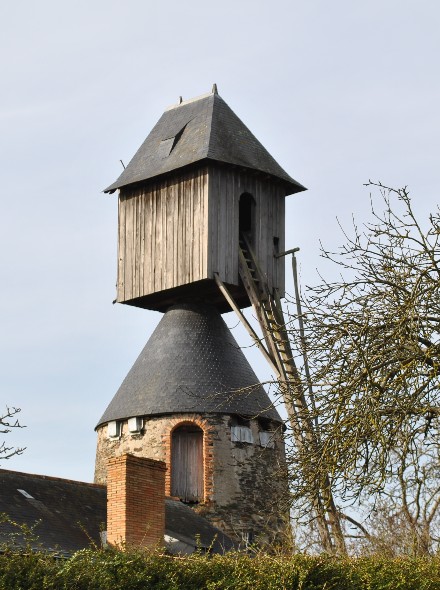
point(112, 569)
point(95, 569)
point(417, 573)
point(27, 571)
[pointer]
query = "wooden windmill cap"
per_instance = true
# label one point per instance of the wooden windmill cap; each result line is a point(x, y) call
point(196, 130)
point(191, 364)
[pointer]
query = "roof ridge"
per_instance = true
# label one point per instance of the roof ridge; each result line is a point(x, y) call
point(182, 103)
point(51, 477)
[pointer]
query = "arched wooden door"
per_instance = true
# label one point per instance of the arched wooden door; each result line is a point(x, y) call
point(187, 463)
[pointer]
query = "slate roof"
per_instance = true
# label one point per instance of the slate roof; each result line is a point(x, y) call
point(191, 364)
point(183, 524)
point(196, 130)
point(71, 514)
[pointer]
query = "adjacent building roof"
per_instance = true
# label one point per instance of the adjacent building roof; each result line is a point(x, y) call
point(191, 364)
point(184, 528)
point(67, 516)
point(203, 128)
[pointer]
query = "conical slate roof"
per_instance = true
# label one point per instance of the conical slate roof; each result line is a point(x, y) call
point(203, 128)
point(191, 364)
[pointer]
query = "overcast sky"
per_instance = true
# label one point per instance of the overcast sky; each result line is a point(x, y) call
point(338, 92)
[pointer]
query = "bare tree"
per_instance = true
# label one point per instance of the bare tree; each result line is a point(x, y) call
point(8, 421)
point(405, 519)
point(373, 349)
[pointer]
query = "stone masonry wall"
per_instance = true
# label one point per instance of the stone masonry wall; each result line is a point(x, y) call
point(245, 485)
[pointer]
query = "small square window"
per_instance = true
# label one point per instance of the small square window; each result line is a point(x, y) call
point(135, 425)
point(267, 439)
point(114, 429)
point(241, 434)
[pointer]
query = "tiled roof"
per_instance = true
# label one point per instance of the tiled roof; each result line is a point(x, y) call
point(185, 525)
point(191, 364)
point(69, 515)
point(202, 129)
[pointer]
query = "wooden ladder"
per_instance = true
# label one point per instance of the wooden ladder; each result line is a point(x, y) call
point(269, 312)
point(278, 352)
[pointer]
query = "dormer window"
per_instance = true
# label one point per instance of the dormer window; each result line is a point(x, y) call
point(167, 145)
point(266, 434)
point(267, 439)
point(135, 425)
point(241, 430)
point(114, 429)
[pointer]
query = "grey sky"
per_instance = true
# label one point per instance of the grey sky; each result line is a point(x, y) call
point(338, 92)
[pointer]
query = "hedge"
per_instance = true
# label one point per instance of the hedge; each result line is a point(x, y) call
point(108, 569)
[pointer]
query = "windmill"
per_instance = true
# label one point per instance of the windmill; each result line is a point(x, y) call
point(201, 230)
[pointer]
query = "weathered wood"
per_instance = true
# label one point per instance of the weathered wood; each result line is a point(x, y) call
point(120, 295)
point(187, 464)
point(227, 185)
point(183, 228)
point(161, 236)
point(245, 323)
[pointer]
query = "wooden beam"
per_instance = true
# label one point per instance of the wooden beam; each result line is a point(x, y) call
point(245, 323)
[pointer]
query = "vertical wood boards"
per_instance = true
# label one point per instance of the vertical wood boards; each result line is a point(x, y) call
point(226, 187)
point(184, 228)
point(162, 235)
point(187, 464)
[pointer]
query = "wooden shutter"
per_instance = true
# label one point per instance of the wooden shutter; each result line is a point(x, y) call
point(187, 463)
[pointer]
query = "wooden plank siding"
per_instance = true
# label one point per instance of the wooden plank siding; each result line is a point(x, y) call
point(226, 185)
point(183, 228)
point(162, 235)
point(187, 464)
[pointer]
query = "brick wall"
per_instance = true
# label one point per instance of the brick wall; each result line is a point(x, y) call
point(135, 501)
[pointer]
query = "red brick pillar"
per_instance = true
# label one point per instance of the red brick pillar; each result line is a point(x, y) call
point(135, 501)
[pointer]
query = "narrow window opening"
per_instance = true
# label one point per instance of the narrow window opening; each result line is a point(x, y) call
point(25, 494)
point(187, 463)
point(246, 215)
